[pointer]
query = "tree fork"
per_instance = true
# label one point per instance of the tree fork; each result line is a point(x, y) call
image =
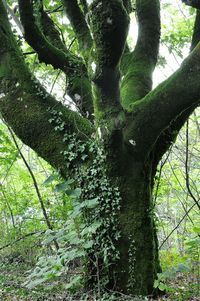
point(133, 121)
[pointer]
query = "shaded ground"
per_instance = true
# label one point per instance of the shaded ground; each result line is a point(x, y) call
point(12, 277)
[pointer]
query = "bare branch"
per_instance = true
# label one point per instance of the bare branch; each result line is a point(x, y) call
point(22, 238)
point(169, 135)
point(179, 223)
point(15, 18)
point(47, 220)
point(8, 205)
point(187, 177)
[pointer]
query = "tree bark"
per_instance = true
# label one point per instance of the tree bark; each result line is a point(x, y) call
point(136, 125)
point(138, 265)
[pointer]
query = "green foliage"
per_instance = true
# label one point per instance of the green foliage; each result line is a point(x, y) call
point(180, 252)
point(177, 31)
point(75, 238)
point(99, 204)
point(79, 215)
point(8, 153)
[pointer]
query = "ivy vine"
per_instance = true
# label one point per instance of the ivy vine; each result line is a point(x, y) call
point(87, 160)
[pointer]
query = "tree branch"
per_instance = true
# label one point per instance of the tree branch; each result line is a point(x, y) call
point(15, 18)
point(109, 34)
point(196, 31)
point(51, 50)
point(79, 25)
point(48, 28)
point(109, 31)
point(128, 5)
point(187, 176)
point(8, 205)
point(169, 135)
point(84, 6)
point(47, 52)
point(181, 220)
point(180, 92)
point(25, 103)
point(192, 3)
point(141, 63)
point(40, 199)
point(22, 238)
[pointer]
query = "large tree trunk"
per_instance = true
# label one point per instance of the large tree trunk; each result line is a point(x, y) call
point(134, 122)
point(138, 265)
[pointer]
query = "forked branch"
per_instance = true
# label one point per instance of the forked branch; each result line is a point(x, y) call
point(47, 52)
point(25, 103)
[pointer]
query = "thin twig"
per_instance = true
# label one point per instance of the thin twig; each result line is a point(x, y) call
point(21, 238)
point(187, 178)
point(35, 185)
point(159, 177)
point(184, 216)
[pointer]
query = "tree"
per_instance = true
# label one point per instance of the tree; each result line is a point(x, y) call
point(115, 107)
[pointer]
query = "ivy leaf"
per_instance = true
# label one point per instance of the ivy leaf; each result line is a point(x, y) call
point(91, 203)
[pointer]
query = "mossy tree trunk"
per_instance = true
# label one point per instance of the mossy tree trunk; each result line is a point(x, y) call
point(139, 264)
point(136, 125)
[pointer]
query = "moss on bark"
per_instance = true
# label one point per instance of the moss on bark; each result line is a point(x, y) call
point(130, 135)
point(138, 265)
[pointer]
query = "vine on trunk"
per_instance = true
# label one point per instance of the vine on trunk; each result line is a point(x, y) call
point(86, 160)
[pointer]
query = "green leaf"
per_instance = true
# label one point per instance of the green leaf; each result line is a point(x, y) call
point(50, 232)
point(182, 268)
point(35, 282)
point(162, 286)
point(88, 244)
point(91, 229)
point(64, 185)
point(50, 179)
point(156, 283)
point(196, 230)
point(91, 203)
point(74, 282)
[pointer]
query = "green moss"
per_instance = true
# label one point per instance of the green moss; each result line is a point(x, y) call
point(109, 27)
point(136, 269)
point(136, 83)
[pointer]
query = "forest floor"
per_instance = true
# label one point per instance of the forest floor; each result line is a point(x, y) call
point(12, 277)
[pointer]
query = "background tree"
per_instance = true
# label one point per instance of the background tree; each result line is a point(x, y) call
point(135, 125)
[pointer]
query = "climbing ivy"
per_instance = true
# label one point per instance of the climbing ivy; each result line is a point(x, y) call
point(95, 209)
